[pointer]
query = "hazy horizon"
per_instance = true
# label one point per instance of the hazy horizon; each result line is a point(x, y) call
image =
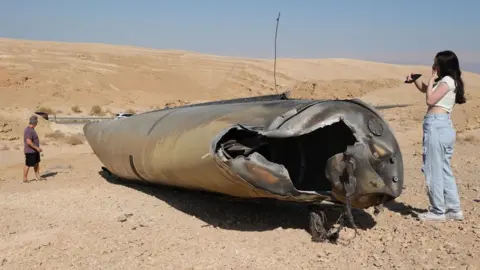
point(391, 32)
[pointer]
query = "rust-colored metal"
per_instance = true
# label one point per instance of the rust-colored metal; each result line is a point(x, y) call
point(261, 147)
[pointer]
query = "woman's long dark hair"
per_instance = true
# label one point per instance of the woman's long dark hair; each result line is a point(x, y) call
point(447, 64)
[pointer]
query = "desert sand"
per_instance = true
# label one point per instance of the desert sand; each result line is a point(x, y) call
point(77, 219)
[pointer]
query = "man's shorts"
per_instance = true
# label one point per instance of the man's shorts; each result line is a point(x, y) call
point(31, 159)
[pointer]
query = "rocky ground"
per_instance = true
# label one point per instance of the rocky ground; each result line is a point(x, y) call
point(81, 218)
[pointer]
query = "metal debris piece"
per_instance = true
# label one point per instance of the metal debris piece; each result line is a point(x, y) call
point(310, 151)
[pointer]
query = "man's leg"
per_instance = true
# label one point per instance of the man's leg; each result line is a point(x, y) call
point(28, 164)
point(25, 173)
point(36, 168)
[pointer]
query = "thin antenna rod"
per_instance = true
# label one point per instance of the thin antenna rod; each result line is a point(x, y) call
point(275, 59)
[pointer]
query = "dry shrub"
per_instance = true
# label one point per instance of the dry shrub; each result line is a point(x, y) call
point(46, 110)
point(97, 110)
point(55, 135)
point(155, 107)
point(76, 109)
point(4, 148)
point(75, 139)
point(130, 111)
point(176, 103)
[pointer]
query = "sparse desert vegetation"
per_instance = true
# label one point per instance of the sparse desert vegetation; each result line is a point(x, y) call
point(75, 139)
point(46, 110)
point(71, 139)
point(97, 111)
point(56, 135)
point(76, 109)
point(130, 111)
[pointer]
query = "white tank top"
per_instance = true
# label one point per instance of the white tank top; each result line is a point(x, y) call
point(448, 101)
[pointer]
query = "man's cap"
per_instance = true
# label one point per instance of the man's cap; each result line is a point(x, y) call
point(33, 120)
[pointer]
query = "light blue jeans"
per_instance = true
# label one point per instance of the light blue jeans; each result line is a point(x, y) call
point(438, 140)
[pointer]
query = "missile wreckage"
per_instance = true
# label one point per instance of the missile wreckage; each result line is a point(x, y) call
point(339, 152)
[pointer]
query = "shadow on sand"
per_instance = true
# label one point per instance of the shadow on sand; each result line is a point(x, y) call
point(386, 107)
point(404, 209)
point(231, 213)
point(48, 174)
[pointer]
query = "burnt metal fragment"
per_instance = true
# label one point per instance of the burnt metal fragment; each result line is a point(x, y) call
point(318, 231)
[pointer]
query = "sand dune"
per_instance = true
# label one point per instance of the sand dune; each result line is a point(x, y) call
point(72, 219)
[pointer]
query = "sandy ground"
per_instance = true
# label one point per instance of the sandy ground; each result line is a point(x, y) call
point(81, 219)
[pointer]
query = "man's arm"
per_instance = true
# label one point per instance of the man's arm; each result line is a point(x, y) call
point(30, 143)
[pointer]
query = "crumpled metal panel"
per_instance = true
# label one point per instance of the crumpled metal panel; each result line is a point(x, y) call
point(180, 147)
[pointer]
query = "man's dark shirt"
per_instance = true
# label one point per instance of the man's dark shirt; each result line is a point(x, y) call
point(31, 134)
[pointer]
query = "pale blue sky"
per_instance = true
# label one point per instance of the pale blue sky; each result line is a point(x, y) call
point(391, 31)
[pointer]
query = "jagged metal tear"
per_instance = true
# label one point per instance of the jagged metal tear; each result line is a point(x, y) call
point(182, 147)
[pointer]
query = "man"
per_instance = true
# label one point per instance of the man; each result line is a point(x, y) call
point(31, 149)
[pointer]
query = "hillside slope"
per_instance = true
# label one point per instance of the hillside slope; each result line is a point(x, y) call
point(80, 218)
point(59, 76)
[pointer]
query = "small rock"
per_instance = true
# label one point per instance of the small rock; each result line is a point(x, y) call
point(387, 238)
point(471, 267)
point(321, 254)
point(378, 263)
point(124, 217)
point(41, 245)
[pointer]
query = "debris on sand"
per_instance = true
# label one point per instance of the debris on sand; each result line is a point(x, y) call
point(124, 217)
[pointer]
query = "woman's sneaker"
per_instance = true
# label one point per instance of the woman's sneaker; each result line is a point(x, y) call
point(455, 215)
point(430, 216)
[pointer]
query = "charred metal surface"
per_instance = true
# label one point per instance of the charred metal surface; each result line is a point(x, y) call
point(312, 151)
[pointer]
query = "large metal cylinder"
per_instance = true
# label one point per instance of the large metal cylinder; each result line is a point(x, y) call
point(272, 148)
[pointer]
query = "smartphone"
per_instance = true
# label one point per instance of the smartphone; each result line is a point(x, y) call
point(414, 78)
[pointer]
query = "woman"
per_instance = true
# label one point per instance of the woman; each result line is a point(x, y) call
point(443, 91)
